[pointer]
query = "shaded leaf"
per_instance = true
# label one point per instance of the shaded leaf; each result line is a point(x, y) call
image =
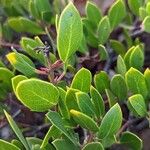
point(131, 140)
point(93, 146)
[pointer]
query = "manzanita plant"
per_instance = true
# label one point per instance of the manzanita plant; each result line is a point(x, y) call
point(44, 74)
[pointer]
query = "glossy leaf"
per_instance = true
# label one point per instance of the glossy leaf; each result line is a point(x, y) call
point(104, 30)
point(93, 146)
point(102, 81)
point(16, 130)
point(116, 13)
point(56, 120)
point(37, 95)
point(93, 13)
point(7, 146)
point(97, 101)
point(85, 104)
point(131, 140)
point(21, 63)
point(137, 104)
point(119, 87)
point(82, 80)
point(70, 32)
point(111, 122)
point(84, 120)
point(136, 82)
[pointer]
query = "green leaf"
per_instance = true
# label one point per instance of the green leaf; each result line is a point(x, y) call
point(131, 140)
point(85, 104)
point(89, 32)
point(70, 99)
point(121, 67)
point(64, 144)
point(22, 24)
point(137, 58)
point(98, 102)
point(93, 13)
point(101, 81)
point(111, 122)
point(62, 105)
point(104, 30)
point(29, 44)
point(112, 99)
point(109, 141)
point(18, 144)
point(21, 63)
point(50, 133)
point(147, 79)
point(127, 57)
point(5, 78)
point(82, 80)
point(118, 47)
point(93, 146)
point(136, 82)
point(134, 6)
point(142, 13)
point(117, 13)
point(148, 8)
point(137, 104)
point(103, 52)
point(56, 120)
point(16, 130)
point(15, 80)
point(84, 120)
point(146, 24)
point(70, 32)
point(119, 87)
point(7, 146)
point(37, 95)
point(35, 143)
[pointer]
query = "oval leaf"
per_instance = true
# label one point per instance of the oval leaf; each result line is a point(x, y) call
point(119, 87)
point(82, 80)
point(69, 32)
point(7, 146)
point(137, 104)
point(37, 95)
point(111, 122)
point(136, 82)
